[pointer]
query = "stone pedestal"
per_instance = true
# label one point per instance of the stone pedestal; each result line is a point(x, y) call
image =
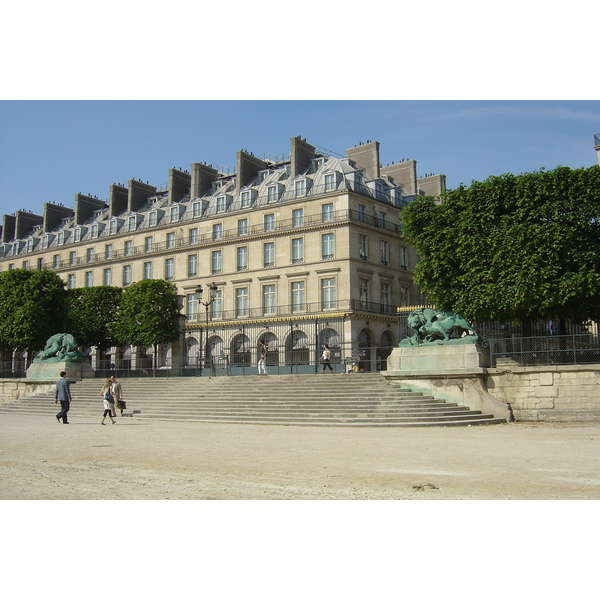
point(48, 370)
point(455, 373)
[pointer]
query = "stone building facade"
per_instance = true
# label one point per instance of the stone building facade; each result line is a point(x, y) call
point(309, 238)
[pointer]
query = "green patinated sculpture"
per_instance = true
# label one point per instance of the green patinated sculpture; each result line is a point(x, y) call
point(439, 327)
point(61, 347)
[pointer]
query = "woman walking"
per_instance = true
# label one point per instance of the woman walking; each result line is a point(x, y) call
point(108, 401)
point(325, 358)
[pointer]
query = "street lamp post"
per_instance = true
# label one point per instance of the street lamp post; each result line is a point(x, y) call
point(213, 294)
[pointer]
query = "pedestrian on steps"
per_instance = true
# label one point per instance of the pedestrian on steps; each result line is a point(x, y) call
point(117, 393)
point(262, 361)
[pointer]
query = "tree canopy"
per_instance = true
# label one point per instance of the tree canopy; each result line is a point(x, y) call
point(513, 247)
point(33, 307)
point(148, 316)
point(92, 312)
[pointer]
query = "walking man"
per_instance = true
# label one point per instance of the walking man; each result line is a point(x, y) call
point(117, 393)
point(262, 361)
point(63, 395)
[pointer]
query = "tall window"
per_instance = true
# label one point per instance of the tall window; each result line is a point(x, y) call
point(385, 297)
point(385, 260)
point(132, 224)
point(193, 236)
point(72, 258)
point(242, 258)
point(147, 270)
point(297, 250)
point(108, 251)
point(361, 213)
point(364, 293)
point(327, 212)
point(403, 258)
point(153, 218)
point(269, 299)
point(242, 227)
point(245, 199)
point(71, 281)
point(191, 307)
point(61, 238)
point(88, 279)
point(404, 297)
point(192, 265)
point(196, 210)
point(126, 275)
point(269, 254)
point(298, 296)
point(363, 247)
point(148, 243)
point(216, 262)
point(169, 268)
point(298, 217)
point(77, 235)
point(89, 255)
point(171, 240)
point(221, 204)
point(174, 214)
point(328, 296)
point(327, 246)
point(128, 248)
point(269, 221)
point(241, 302)
point(382, 219)
point(217, 231)
point(112, 227)
point(107, 277)
point(56, 261)
point(216, 308)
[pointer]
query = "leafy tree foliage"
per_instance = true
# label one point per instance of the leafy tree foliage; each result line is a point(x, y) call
point(513, 247)
point(92, 312)
point(33, 307)
point(148, 315)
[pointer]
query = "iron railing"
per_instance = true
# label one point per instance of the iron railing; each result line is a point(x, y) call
point(547, 350)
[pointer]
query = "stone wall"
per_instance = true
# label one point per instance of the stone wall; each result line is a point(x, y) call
point(552, 393)
point(13, 389)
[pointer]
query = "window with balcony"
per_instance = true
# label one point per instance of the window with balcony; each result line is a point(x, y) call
point(241, 302)
point(89, 255)
point(385, 259)
point(72, 258)
point(128, 248)
point(362, 213)
point(269, 299)
point(217, 231)
point(216, 308)
point(216, 262)
point(147, 270)
point(169, 269)
point(297, 250)
point(193, 236)
point(56, 261)
point(269, 255)
point(170, 240)
point(148, 244)
point(191, 307)
point(363, 247)
point(327, 246)
point(328, 294)
point(404, 296)
point(327, 212)
point(364, 293)
point(242, 258)
point(385, 297)
point(269, 221)
point(242, 227)
point(298, 296)
point(298, 217)
point(192, 263)
point(107, 277)
point(126, 275)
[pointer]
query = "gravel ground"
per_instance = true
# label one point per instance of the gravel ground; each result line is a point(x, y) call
point(140, 459)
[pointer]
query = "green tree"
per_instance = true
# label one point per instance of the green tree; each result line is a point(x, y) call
point(92, 312)
point(149, 314)
point(513, 247)
point(33, 307)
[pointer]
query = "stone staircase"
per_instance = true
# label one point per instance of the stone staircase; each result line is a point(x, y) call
point(359, 400)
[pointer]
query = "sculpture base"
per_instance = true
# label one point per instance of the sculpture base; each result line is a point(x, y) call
point(52, 370)
point(437, 359)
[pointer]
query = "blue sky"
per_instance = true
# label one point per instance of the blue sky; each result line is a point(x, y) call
point(51, 150)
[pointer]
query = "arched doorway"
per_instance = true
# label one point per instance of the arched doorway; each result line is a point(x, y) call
point(385, 349)
point(364, 349)
point(240, 351)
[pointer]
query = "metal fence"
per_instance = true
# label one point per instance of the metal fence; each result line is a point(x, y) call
point(546, 350)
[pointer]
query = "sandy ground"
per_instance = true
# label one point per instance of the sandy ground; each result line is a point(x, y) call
point(140, 459)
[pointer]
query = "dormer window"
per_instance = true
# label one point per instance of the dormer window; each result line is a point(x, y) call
point(221, 205)
point(94, 231)
point(60, 238)
point(47, 240)
point(300, 188)
point(272, 193)
point(330, 183)
point(29, 244)
point(79, 233)
point(175, 214)
point(132, 223)
point(152, 218)
point(246, 199)
point(196, 210)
